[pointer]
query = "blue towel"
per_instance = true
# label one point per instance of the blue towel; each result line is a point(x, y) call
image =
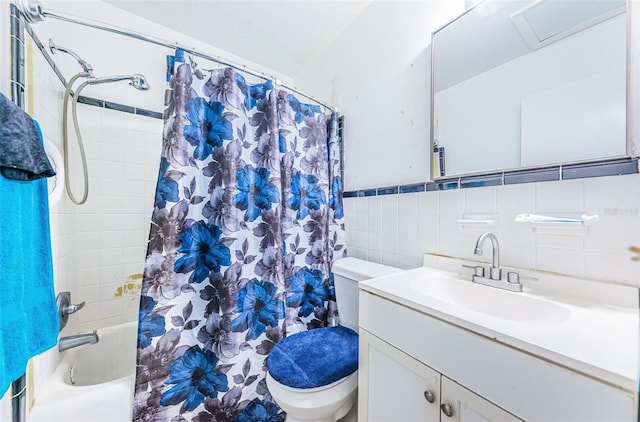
point(28, 315)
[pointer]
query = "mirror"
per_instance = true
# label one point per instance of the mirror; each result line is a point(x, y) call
point(529, 83)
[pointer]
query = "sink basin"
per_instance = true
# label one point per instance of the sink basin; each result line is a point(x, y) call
point(511, 306)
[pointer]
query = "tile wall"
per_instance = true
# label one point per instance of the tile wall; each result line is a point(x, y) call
point(99, 247)
point(398, 229)
point(112, 228)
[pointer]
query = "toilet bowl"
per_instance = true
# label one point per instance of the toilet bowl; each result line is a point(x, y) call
point(313, 375)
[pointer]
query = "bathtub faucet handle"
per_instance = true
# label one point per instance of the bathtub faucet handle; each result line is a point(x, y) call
point(72, 309)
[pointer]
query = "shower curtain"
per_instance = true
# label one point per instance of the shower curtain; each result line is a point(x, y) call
point(247, 221)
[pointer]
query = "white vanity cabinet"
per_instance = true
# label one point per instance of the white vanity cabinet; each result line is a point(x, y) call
point(396, 387)
point(416, 366)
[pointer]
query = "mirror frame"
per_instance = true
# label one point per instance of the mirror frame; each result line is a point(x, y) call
point(633, 103)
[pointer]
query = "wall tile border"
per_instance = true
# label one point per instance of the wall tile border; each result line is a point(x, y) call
point(96, 102)
point(612, 167)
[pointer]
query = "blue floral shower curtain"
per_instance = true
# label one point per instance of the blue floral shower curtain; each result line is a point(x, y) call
point(247, 222)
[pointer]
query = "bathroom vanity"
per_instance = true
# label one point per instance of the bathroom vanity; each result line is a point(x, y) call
point(436, 347)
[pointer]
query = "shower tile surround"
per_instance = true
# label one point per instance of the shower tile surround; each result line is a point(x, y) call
point(99, 248)
point(397, 229)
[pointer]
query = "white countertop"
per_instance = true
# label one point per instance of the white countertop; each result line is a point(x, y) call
point(582, 333)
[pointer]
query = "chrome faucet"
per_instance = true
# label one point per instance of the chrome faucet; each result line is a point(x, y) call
point(495, 273)
point(494, 278)
point(70, 342)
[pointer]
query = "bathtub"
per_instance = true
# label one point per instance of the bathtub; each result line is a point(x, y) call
point(92, 383)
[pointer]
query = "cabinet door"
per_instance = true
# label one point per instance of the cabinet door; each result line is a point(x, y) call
point(393, 386)
point(461, 405)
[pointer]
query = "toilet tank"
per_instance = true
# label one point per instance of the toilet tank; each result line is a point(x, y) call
point(347, 273)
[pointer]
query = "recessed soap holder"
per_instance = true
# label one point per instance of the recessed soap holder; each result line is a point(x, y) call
point(576, 224)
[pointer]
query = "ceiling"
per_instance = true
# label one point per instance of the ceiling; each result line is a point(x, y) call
point(280, 35)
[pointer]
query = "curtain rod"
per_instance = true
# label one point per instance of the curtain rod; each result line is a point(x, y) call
point(35, 13)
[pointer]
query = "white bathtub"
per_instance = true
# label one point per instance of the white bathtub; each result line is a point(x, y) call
point(103, 374)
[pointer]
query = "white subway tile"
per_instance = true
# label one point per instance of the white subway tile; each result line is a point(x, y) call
point(109, 309)
point(560, 241)
point(408, 262)
point(112, 239)
point(564, 196)
point(375, 256)
point(511, 201)
point(135, 123)
point(427, 242)
point(389, 204)
point(131, 269)
point(89, 294)
point(134, 172)
point(108, 291)
point(451, 208)
point(612, 267)
point(111, 152)
point(390, 241)
point(89, 258)
point(408, 213)
point(350, 237)
point(362, 205)
point(113, 274)
point(90, 313)
point(349, 205)
point(375, 205)
point(88, 276)
point(480, 200)
point(362, 240)
point(134, 254)
point(358, 253)
point(616, 200)
point(427, 203)
point(375, 242)
point(112, 118)
point(452, 247)
point(111, 256)
point(112, 170)
point(361, 222)
point(408, 244)
point(564, 261)
point(519, 256)
point(375, 223)
point(389, 258)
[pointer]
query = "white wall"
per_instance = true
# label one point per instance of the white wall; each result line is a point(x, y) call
point(368, 71)
point(378, 73)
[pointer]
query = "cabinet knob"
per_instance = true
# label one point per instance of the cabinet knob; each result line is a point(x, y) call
point(429, 396)
point(446, 409)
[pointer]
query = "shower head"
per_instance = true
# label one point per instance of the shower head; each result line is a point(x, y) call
point(85, 66)
point(137, 81)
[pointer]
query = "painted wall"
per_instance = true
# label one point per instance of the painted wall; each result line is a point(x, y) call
point(377, 71)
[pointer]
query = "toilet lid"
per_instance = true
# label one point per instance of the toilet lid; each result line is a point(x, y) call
point(314, 358)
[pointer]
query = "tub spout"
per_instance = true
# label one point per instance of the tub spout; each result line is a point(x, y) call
point(74, 341)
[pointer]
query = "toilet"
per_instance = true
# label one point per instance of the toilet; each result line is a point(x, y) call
point(313, 375)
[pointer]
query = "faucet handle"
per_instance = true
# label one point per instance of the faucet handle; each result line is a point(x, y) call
point(72, 309)
point(514, 277)
point(478, 270)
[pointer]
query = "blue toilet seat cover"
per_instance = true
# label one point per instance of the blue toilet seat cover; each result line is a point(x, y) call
point(314, 358)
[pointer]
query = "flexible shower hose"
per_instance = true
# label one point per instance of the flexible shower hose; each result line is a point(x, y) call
point(65, 140)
